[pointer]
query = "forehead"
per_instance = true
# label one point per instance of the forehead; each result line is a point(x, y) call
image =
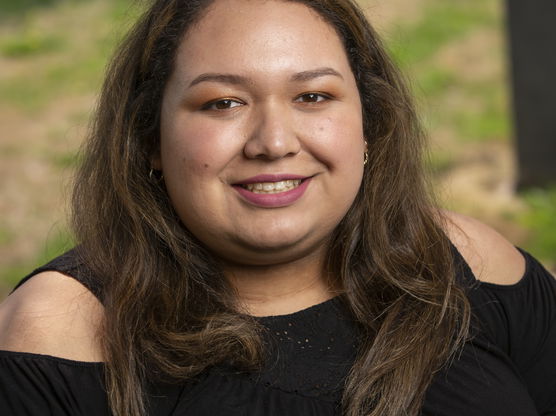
point(244, 35)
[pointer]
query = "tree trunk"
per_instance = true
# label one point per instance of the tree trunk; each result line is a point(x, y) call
point(532, 30)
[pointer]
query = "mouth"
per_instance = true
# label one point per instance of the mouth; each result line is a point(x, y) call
point(273, 191)
point(272, 187)
point(272, 183)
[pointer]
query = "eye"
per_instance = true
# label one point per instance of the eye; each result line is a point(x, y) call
point(224, 104)
point(312, 97)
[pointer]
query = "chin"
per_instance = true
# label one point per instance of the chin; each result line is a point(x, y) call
point(271, 240)
point(266, 252)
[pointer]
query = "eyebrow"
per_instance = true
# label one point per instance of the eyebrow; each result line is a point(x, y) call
point(315, 73)
point(222, 78)
point(240, 80)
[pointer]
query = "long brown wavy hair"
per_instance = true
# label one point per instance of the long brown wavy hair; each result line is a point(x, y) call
point(169, 311)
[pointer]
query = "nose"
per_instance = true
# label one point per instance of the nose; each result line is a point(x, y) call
point(273, 135)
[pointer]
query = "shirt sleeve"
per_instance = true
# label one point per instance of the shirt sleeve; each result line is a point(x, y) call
point(40, 385)
point(521, 320)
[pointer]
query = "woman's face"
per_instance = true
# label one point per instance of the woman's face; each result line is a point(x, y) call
point(262, 143)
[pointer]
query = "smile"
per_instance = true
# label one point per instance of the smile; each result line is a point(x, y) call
point(272, 187)
point(273, 191)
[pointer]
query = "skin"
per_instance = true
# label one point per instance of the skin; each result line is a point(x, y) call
point(271, 132)
point(288, 104)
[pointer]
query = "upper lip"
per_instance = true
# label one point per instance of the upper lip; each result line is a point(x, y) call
point(270, 177)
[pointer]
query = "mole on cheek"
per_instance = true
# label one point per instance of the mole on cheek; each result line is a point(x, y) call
point(206, 165)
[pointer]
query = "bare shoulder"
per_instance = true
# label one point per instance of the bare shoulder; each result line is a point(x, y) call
point(492, 258)
point(52, 314)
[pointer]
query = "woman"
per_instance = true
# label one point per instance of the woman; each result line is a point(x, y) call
point(256, 238)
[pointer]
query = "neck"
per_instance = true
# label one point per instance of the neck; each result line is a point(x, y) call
point(282, 288)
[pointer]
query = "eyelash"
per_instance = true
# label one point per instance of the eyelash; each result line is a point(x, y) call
point(211, 105)
point(319, 95)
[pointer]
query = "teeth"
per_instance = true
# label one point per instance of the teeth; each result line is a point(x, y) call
point(273, 187)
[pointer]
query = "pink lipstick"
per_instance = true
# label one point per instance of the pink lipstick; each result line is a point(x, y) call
point(259, 195)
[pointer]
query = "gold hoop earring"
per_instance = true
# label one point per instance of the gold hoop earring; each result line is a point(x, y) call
point(366, 154)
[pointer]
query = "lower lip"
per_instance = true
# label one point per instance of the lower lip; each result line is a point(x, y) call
point(279, 199)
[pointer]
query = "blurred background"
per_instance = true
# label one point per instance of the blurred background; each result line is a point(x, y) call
point(455, 54)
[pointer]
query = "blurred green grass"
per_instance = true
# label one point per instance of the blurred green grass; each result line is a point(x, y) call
point(67, 57)
point(442, 22)
point(70, 56)
point(540, 218)
point(484, 115)
point(51, 51)
point(15, 8)
point(58, 241)
point(29, 43)
point(415, 48)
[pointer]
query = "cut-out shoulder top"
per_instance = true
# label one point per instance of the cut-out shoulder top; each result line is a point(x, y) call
point(508, 368)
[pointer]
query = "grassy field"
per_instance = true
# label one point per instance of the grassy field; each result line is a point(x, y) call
point(52, 55)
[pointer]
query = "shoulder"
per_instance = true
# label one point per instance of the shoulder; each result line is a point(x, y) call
point(491, 257)
point(52, 314)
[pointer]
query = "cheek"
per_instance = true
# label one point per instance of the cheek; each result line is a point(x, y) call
point(190, 166)
point(342, 147)
point(192, 157)
point(195, 150)
point(339, 141)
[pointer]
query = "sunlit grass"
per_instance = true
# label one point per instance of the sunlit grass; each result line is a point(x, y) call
point(415, 49)
point(443, 22)
point(30, 44)
point(57, 242)
point(474, 110)
point(67, 160)
point(68, 64)
point(15, 8)
point(50, 54)
point(6, 235)
point(439, 162)
point(436, 81)
point(540, 219)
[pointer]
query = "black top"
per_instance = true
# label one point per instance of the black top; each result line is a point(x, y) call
point(508, 368)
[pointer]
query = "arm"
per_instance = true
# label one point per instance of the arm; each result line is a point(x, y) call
point(491, 257)
point(516, 306)
point(49, 350)
point(52, 314)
